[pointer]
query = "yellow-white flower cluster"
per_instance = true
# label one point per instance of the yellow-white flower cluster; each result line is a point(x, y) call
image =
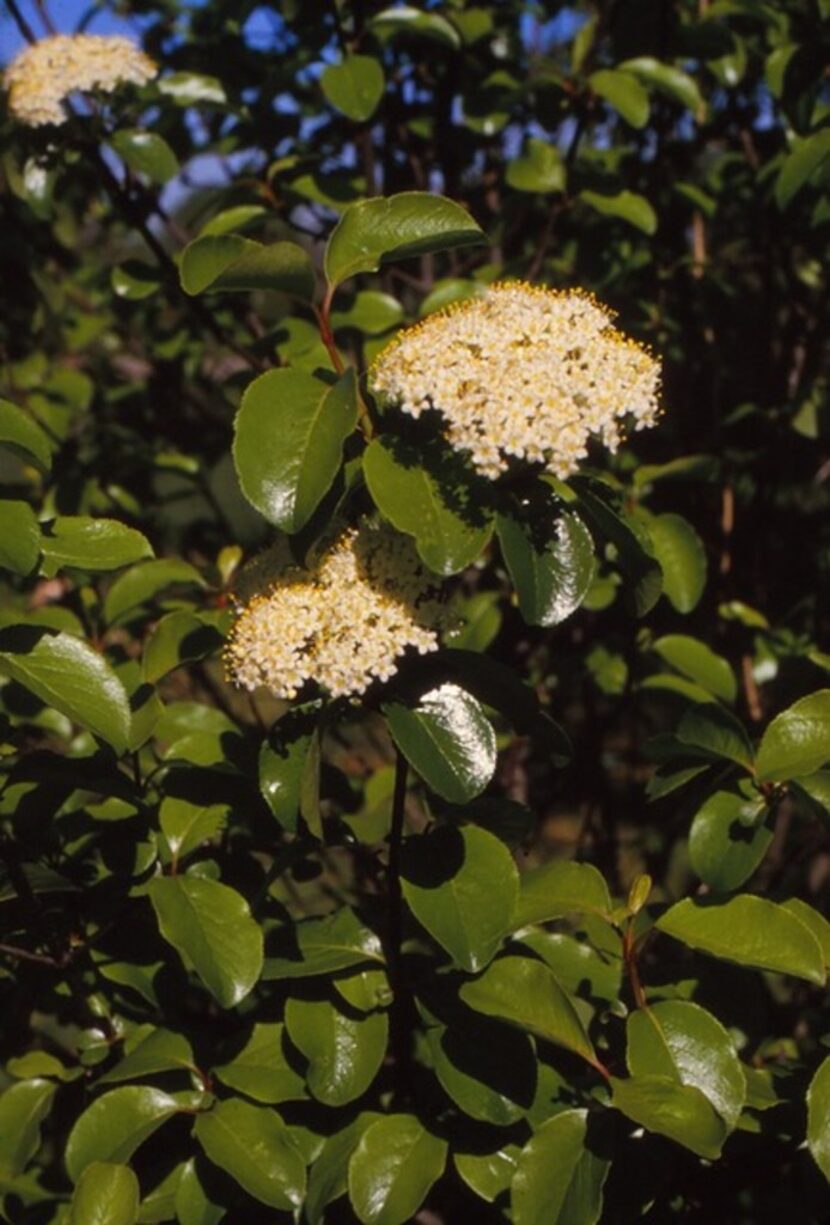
point(43, 76)
point(522, 372)
point(344, 623)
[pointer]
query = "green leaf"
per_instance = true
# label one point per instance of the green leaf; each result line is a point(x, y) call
point(816, 923)
point(371, 312)
point(261, 1069)
point(338, 941)
point(191, 1203)
point(428, 494)
point(344, 1054)
point(678, 1039)
point(146, 153)
point(589, 969)
point(539, 169)
point(22, 435)
point(372, 232)
point(19, 537)
point(144, 582)
point(134, 280)
point(638, 566)
point(750, 931)
point(160, 1051)
point(178, 638)
point(488, 1175)
point(231, 262)
point(391, 1170)
point(23, 1107)
point(667, 79)
point(254, 1146)
point(211, 927)
point(681, 1112)
point(355, 86)
point(551, 567)
point(559, 888)
point(797, 741)
point(237, 217)
point(682, 558)
point(82, 543)
point(404, 19)
point(728, 839)
point(524, 992)
point(488, 1070)
point(800, 165)
point(106, 1194)
point(70, 676)
point(192, 88)
point(113, 1127)
point(284, 763)
point(448, 740)
point(624, 92)
point(558, 1181)
point(461, 885)
point(716, 733)
point(328, 1177)
point(187, 825)
point(288, 444)
point(818, 1118)
point(700, 663)
point(626, 205)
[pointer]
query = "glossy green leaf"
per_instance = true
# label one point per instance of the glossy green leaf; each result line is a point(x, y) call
point(682, 557)
point(662, 1105)
point(667, 79)
point(540, 169)
point(288, 445)
point(354, 86)
point(191, 1203)
point(431, 497)
point(344, 1054)
point(177, 639)
point(261, 1069)
point(524, 992)
point(145, 153)
point(590, 969)
point(284, 763)
point(818, 1118)
point(461, 885)
point(237, 217)
point(21, 434)
point(624, 92)
point(134, 280)
point(728, 839)
point(797, 741)
point(627, 205)
point(231, 262)
point(558, 888)
point(160, 1051)
point(211, 927)
point(192, 89)
point(488, 1070)
point(23, 1107)
point(328, 1176)
point(391, 1170)
point(717, 733)
point(750, 931)
point(700, 663)
point(678, 1039)
point(448, 739)
point(489, 1175)
point(19, 537)
point(338, 941)
point(643, 574)
point(186, 825)
point(254, 1146)
point(814, 921)
point(113, 1127)
point(551, 572)
point(372, 232)
point(70, 676)
point(558, 1181)
point(81, 543)
point(371, 312)
point(106, 1194)
point(405, 19)
point(143, 583)
point(800, 164)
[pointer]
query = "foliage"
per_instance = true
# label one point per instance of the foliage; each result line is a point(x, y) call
point(535, 930)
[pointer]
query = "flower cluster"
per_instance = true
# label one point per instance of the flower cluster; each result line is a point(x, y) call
point(343, 623)
point(42, 77)
point(522, 372)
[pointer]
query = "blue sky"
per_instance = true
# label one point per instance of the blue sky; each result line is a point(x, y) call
point(65, 16)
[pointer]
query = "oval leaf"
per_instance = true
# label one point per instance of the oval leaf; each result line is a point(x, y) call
point(818, 1118)
point(681, 1112)
point(19, 537)
point(355, 86)
point(254, 1146)
point(344, 1054)
point(797, 741)
point(448, 739)
point(113, 1127)
point(728, 839)
point(23, 1107)
point(558, 888)
point(551, 572)
point(231, 262)
point(106, 1194)
point(23, 435)
point(558, 1181)
point(83, 543)
point(395, 1163)
point(211, 927)
point(682, 558)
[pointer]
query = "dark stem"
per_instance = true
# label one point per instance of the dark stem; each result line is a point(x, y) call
point(21, 22)
point(399, 1012)
point(629, 950)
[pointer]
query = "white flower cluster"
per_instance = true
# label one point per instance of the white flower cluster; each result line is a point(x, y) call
point(344, 623)
point(43, 76)
point(522, 372)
